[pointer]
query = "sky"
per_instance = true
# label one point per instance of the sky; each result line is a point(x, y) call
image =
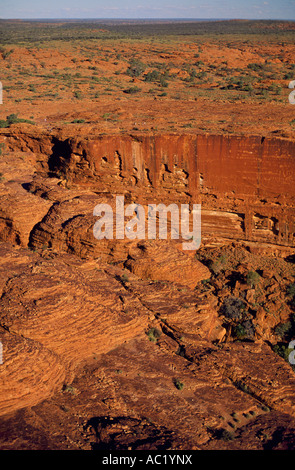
point(242, 9)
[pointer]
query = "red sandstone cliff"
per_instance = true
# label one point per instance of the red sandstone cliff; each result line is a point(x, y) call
point(244, 183)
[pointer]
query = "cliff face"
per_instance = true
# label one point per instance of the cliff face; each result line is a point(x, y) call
point(244, 183)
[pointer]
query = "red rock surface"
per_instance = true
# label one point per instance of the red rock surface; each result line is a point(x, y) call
point(130, 344)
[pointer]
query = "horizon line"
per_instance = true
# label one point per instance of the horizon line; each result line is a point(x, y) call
point(145, 19)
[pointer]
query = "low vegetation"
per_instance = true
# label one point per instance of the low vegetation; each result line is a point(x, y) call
point(178, 384)
point(154, 334)
point(13, 119)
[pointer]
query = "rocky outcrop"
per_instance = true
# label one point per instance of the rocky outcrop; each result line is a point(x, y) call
point(163, 262)
point(244, 183)
point(20, 211)
point(29, 374)
point(66, 310)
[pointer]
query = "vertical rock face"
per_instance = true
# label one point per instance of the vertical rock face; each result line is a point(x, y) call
point(244, 183)
point(247, 166)
point(248, 176)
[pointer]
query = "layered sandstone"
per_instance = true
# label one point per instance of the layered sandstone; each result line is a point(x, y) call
point(66, 310)
point(72, 302)
point(244, 183)
point(165, 263)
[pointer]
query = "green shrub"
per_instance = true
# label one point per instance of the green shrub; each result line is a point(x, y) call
point(152, 76)
point(224, 434)
point(286, 330)
point(291, 287)
point(163, 82)
point(256, 67)
point(244, 330)
point(243, 387)
point(132, 90)
point(156, 76)
point(253, 278)
point(239, 331)
point(70, 389)
point(178, 384)
point(217, 265)
point(154, 334)
point(275, 88)
point(284, 351)
point(124, 277)
point(242, 83)
point(13, 119)
point(136, 68)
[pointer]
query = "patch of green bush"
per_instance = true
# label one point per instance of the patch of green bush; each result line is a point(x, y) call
point(233, 308)
point(224, 434)
point(132, 90)
point(284, 351)
point(154, 334)
point(253, 278)
point(136, 68)
point(244, 330)
point(152, 76)
point(286, 330)
point(13, 119)
point(178, 384)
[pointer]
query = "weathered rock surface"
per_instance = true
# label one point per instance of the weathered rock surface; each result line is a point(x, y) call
point(69, 310)
point(163, 262)
point(77, 313)
point(20, 212)
point(121, 402)
point(29, 374)
point(232, 177)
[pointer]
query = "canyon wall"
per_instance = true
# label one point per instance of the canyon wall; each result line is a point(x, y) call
point(245, 184)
